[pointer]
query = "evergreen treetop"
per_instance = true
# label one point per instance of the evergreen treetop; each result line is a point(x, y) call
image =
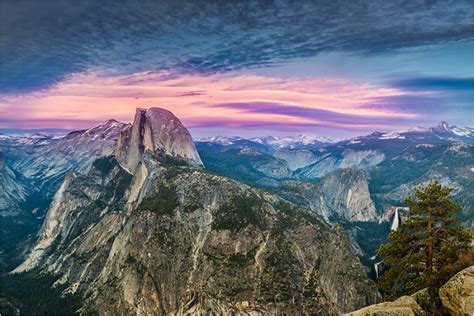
point(429, 239)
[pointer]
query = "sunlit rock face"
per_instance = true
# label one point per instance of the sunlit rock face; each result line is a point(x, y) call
point(344, 194)
point(457, 295)
point(159, 131)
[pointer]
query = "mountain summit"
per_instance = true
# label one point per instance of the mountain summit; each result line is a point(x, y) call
point(158, 131)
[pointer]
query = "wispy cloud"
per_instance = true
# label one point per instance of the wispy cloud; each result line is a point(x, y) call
point(215, 100)
point(44, 42)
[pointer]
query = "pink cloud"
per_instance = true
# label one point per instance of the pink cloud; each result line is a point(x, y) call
point(203, 99)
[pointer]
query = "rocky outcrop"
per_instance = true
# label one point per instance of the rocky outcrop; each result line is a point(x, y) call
point(344, 194)
point(35, 167)
point(404, 306)
point(197, 243)
point(54, 157)
point(296, 159)
point(158, 131)
point(457, 295)
point(40, 163)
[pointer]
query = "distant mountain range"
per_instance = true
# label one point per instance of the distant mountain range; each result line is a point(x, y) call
point(307, 158)
point(274, 142)
point(443, 131)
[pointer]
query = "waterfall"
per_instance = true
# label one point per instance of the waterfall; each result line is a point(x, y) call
point(396, 220)
point(376, 267)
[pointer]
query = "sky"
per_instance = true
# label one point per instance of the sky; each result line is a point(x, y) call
point(335, 68)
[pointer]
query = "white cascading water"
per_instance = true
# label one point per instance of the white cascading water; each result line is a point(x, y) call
point(396, 221)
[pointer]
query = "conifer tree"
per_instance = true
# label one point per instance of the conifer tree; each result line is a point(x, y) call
point(429, 239)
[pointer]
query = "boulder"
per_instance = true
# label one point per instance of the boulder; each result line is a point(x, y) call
point(457, 295)
point(404, 306)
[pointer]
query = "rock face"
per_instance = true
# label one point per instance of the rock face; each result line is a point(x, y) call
point(451, 164)
point(174, 239)
point(296, 159)
point(404, 306)
point(159, 131)
point(457, 295)
point(344, 194)
point(13, 189)
point(44, 161)
point(196, 243)
point(333, 159)
point(34, 169)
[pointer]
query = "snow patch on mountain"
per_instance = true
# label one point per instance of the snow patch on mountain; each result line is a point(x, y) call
point(392, 135)
point(292, 141)
point(221, 140)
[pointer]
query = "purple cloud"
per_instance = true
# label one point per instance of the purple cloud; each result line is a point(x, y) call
point(321, 117)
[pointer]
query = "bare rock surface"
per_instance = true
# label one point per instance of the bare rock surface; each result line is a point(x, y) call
point(344, 194)
point(159, 131)
point(457, 295)
point(404, 306)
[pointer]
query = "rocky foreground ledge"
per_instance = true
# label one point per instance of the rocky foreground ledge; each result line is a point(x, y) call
point(457, 297)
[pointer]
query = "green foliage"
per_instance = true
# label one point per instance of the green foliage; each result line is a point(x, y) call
point(231, 163)
point(369, 236)
point(430, 239)
point(16, 234)
point(238, 213)
point(278, 271)
point(33, 293)
point(169, 160)
point(163, 202)
point(104, 164)
point(465, 260)
point(118, 185)
point(416, 164)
